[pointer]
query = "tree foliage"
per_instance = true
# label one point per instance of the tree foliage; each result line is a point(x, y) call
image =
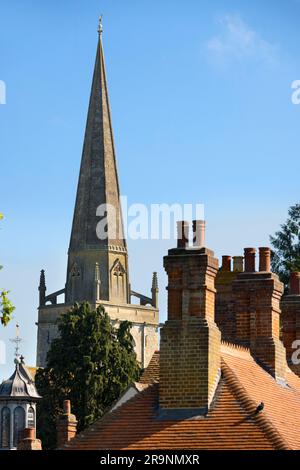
point(91, 363)
point(6, 307)
point(286, 245)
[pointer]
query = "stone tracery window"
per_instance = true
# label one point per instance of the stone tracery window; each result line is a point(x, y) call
point(118, 269)
point(118, 280)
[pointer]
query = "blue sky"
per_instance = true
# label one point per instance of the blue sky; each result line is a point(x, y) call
point(200, 93)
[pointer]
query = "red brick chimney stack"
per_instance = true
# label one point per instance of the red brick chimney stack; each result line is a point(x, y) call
point(295, 283)
point(29, 441)
point(224, 311)
point(182, 234)
point(66, 425)
point(256, 301)
point(190, 339)
point(264, 259)
point(226, 263)
point(249, 259)
point(290, 319)
point(199, 233)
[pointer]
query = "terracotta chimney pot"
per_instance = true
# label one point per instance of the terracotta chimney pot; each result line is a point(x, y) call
point(238, 263)
point(249, 259)
point(199, 233)
point(226, 263)
point(67, 407)
point(182, 234)
point(265, 259)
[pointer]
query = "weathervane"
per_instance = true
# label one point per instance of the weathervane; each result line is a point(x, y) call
point(100, 27)
point(17, 340)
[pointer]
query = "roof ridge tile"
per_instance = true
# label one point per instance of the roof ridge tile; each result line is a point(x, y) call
point(237, 346)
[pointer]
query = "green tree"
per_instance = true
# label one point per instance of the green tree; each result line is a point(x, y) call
point(286, 246)
point(6, 307)
point(91, 363)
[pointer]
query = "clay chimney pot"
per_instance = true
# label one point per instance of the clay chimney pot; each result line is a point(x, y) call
point(249, 259)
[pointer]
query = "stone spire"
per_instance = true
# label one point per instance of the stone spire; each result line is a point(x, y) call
point(98, 179)
point(97, 228)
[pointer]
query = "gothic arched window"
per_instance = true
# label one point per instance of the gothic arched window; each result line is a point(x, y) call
point(31, 418)
point(5, 428)
point(19, 424)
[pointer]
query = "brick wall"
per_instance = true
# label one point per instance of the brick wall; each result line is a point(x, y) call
point(225, 315)
point(189, 363)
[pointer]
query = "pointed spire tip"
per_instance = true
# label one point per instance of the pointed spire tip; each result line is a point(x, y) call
point(100, 26)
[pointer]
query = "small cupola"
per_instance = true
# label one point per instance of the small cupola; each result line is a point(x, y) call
point(18, 398)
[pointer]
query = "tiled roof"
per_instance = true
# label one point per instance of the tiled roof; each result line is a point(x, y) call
point(281, 403)
point(232, 422)
point(151, 373)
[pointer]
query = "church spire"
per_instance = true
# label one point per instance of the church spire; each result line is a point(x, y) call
point(98, 270)
point(97, 221)
point(98, 180)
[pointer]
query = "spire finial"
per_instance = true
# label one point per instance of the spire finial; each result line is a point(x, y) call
point(42, 288)
point(154, 290)
point(100, 26)
point(42, 280)
point(154, 281)
point(17, 340)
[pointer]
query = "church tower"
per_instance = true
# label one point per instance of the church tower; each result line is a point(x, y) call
point(97, 269)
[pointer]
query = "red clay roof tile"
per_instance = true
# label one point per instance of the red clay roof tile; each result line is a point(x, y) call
point(135, 426)
point(230, 424)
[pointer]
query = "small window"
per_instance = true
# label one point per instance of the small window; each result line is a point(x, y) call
point(19, 424)
point(5, 427)
point(31, 418)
